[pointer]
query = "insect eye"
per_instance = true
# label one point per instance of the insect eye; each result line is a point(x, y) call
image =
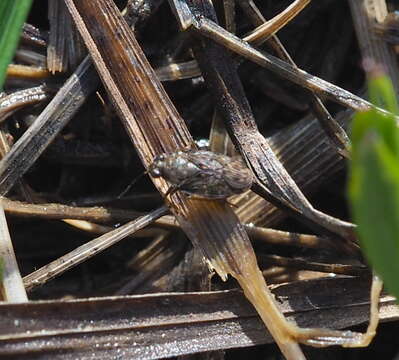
point(155, 172)
point(160, 157)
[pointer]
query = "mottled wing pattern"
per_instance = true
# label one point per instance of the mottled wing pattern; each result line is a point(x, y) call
point(237, 175)
point(207, 161)
point(221, 176)
point(207, 181)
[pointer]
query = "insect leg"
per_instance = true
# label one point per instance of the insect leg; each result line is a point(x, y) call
point(177, 187)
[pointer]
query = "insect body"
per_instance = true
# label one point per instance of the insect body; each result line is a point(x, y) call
point(203, 173)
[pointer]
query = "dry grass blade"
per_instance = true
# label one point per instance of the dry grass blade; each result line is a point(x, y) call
point(179, 324)
point(178, 71)
point(219, 139)
point(100, 214)
point(154, 262)
point(333, 129)
point(17, 100)
point(269, 28)
point(46, 127)
point(229, 13)
point(11, 288)
point(321, 87)
point(32, 35)
point(342, 269)
point(278, 237)
point(95, 214)
point(27, 72)
point(97, 229)
point(366, 14)
point(88, 250)
point(65, 49)
point(316, 161)
point(57, 54)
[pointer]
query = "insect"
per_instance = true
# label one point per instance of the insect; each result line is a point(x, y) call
point(202, 173)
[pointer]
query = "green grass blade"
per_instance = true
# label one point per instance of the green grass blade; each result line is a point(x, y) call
point(13, 13)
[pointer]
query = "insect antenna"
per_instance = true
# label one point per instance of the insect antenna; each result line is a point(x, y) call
point(137, 178)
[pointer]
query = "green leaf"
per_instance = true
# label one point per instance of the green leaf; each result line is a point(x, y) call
point(374, 122)
point(374, 191)
point(13, 13)
point(374, 182)
point(382, 93)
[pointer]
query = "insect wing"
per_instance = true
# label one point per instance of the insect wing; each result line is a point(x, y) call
point(237, 176)
point(207, 161)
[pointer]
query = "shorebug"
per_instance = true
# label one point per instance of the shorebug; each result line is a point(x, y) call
point(202, 173)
